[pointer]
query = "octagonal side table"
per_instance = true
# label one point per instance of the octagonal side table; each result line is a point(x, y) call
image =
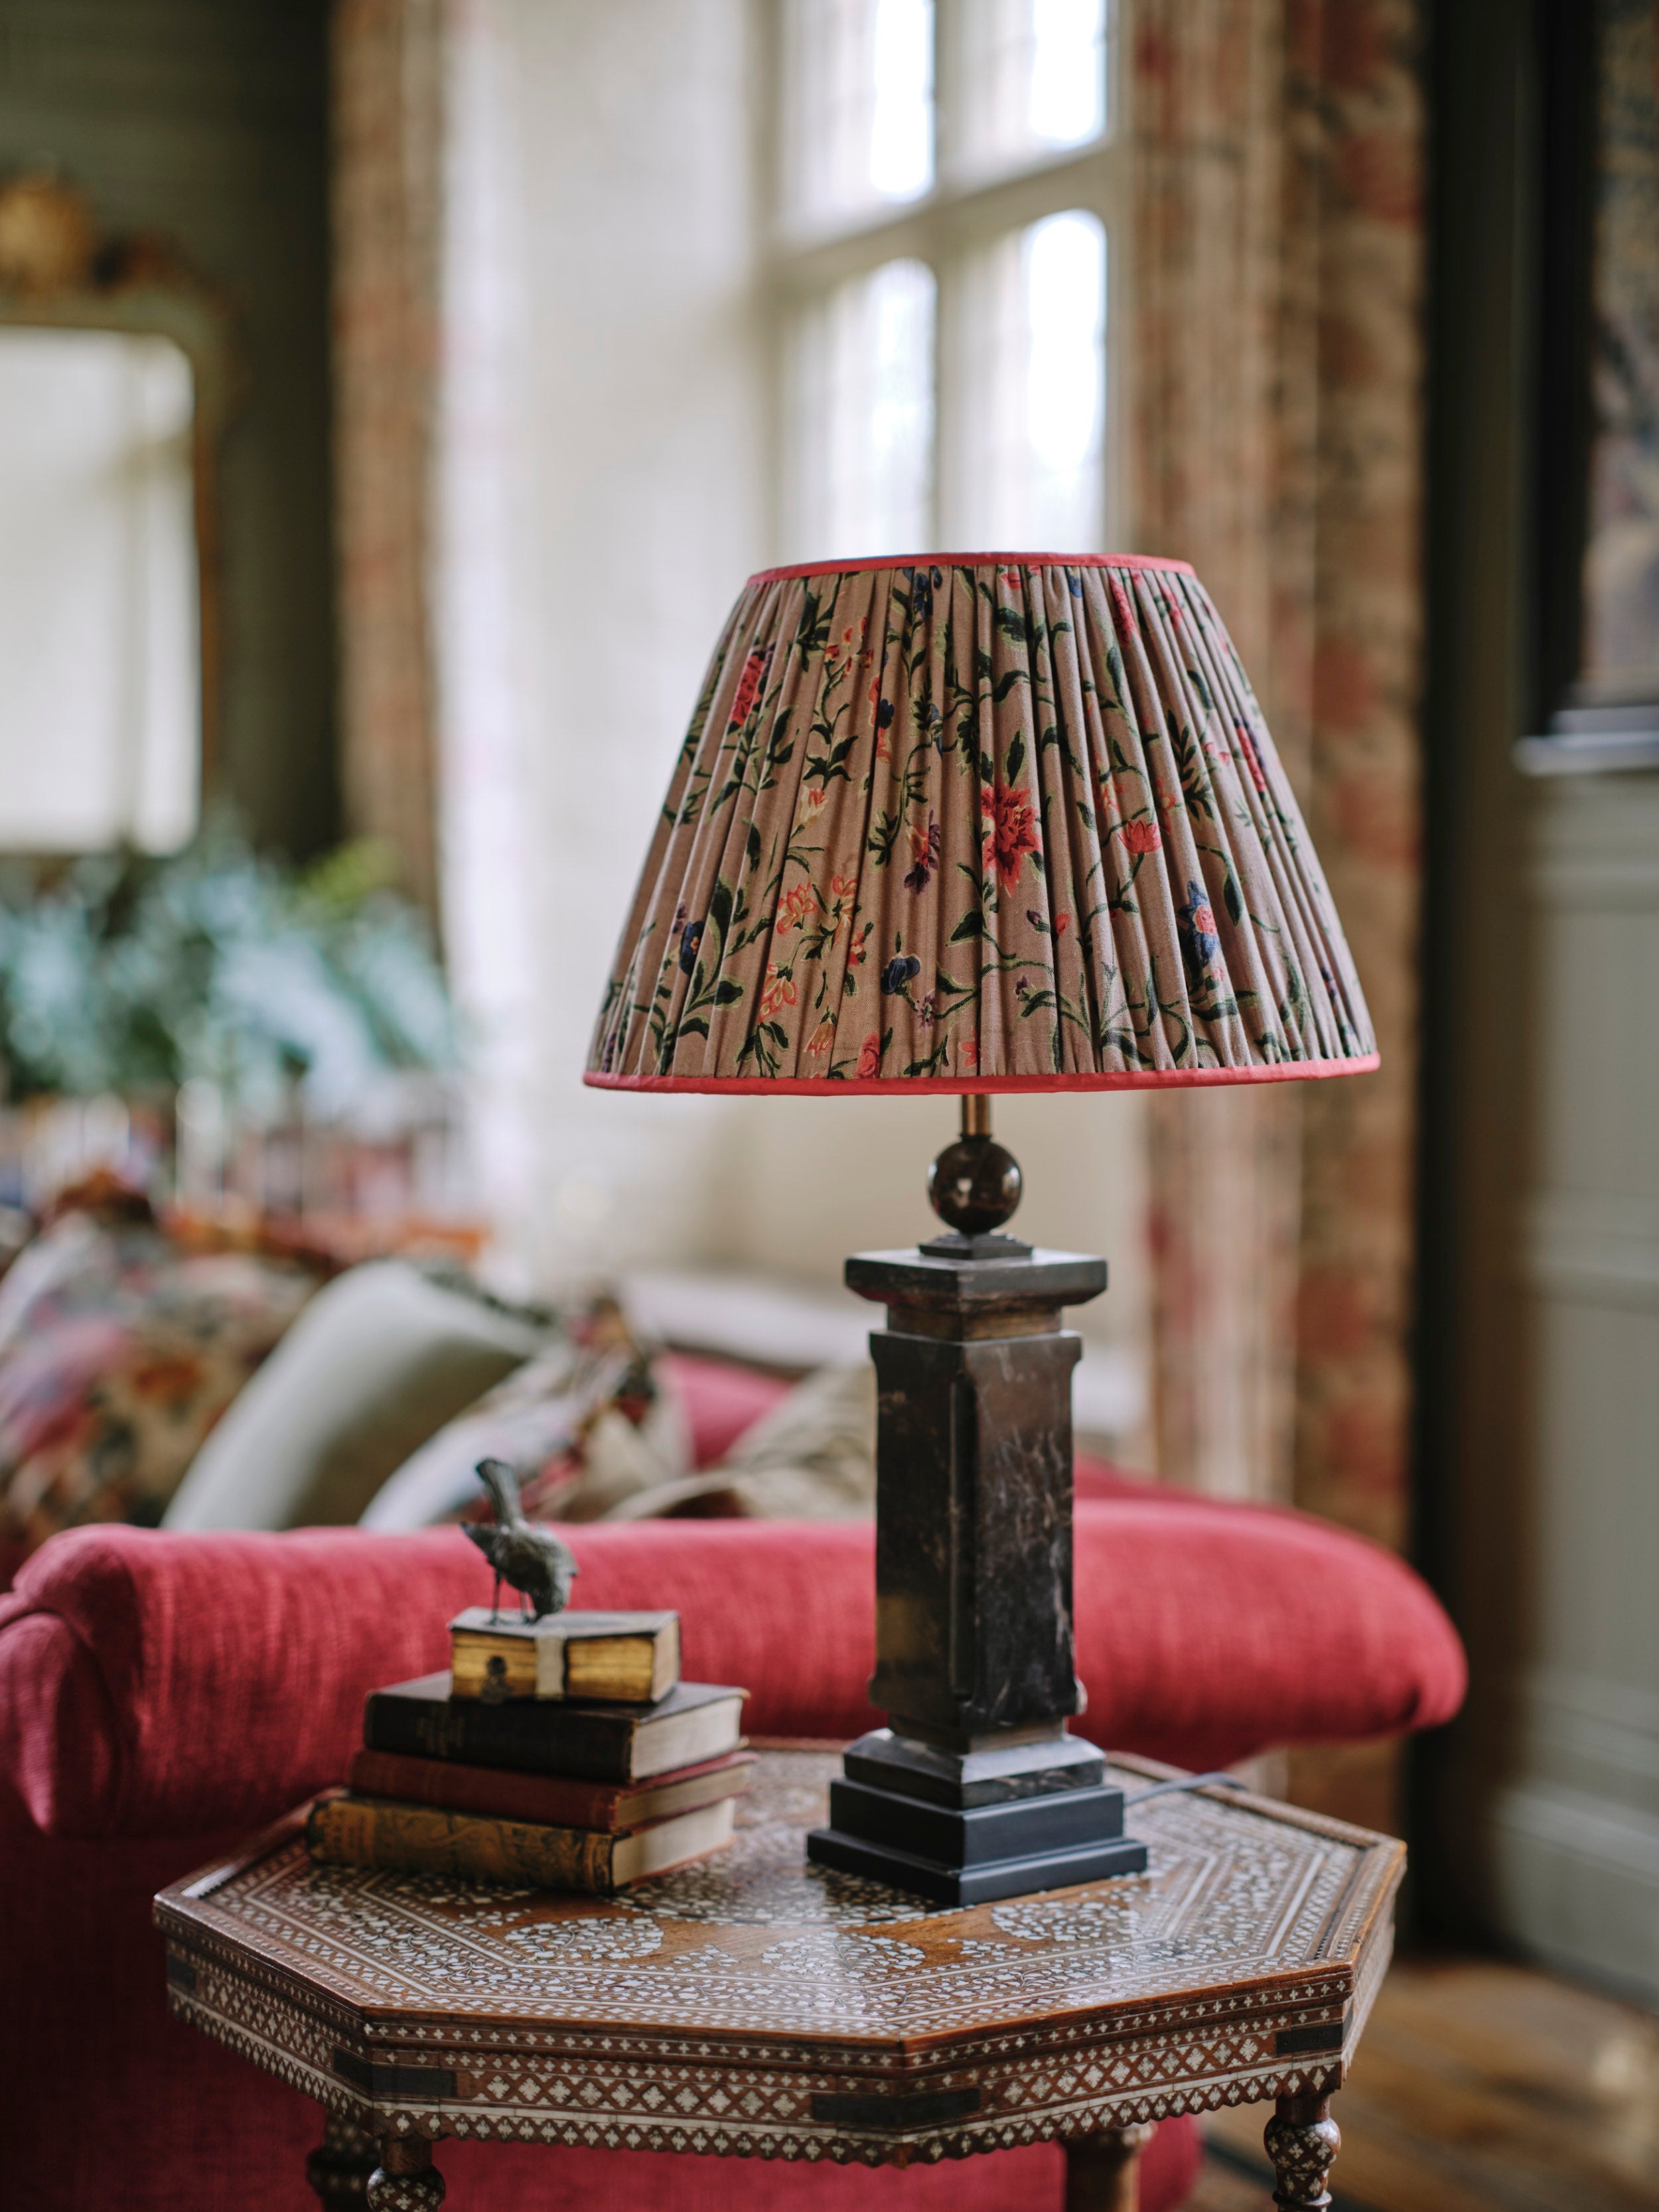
point(754, 2004)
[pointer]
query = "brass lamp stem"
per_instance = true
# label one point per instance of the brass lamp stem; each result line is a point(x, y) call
point(975, 1114)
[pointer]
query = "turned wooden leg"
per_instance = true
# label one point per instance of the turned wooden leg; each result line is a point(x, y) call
point(405, 2180)
point(1102, 2172)
point(1303, 2140)
point(338, 2169)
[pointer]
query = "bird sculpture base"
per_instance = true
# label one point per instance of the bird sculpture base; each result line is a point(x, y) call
point(977, 1790)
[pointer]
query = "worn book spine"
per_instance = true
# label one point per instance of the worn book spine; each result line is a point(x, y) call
point(643, 1668)
point(425, 1839)
point(614, 1669)
point(502, 1794)
point(493, 1792)
point(538, 1739)
point(479, 1669)
point(613, 1658)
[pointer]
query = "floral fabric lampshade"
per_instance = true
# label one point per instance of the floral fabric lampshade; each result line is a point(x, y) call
point(982, 822)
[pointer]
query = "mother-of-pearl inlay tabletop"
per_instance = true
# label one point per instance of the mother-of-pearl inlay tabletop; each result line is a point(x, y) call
point(780, 1989)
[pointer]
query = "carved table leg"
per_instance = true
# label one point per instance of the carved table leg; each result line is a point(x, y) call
point(338, 2169)
point(1102, 2172)
point(1303, 2140)
point(405, 2180)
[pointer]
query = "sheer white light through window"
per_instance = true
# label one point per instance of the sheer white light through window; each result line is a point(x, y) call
point(100, 676)
point(861, 121)
point(1028, 470)
point(992, 344)
point(862, 416)
point(1032, 79)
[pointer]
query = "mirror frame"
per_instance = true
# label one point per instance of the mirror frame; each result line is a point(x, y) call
point(58, 272)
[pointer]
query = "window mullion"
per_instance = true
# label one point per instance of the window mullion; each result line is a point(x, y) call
point(1089, 180)
point(979, 461)
point(947, 95)
point(946, 82)
point(947, 395)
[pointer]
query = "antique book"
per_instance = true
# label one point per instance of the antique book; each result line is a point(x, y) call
point(379, 1832)
point(621, 1658)
point(592, 1743)
point(554, 1798)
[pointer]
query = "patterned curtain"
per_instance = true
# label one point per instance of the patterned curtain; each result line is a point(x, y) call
point(388, 151)
point(1277, 284)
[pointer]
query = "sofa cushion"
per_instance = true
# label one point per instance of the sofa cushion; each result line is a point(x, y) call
point(582, 1424)
point(153, 1684)
point(810, 1457)
point(385, 1356)
point(719, 1400)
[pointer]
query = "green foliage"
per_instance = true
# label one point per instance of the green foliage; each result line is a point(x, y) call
point(130, 973)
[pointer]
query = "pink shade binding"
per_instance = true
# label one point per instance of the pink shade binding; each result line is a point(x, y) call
point(970, 561)
point(1151, 1079)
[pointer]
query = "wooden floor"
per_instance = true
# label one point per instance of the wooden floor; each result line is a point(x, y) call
point(1479, 2086)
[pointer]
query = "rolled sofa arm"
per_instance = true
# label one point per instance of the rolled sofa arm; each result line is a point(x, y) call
point(154, 1684)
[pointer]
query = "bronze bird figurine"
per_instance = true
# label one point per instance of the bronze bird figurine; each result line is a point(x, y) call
point(539, 1566)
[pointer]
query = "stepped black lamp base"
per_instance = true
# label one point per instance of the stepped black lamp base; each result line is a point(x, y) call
point(977, 1790)
point(982, 1853)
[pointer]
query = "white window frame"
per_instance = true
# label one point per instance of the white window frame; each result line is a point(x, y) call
point(955, 219)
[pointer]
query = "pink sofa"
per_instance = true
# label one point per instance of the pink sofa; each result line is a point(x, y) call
point(161, 1695)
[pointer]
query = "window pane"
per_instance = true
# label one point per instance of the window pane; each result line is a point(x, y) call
point(861, 435)
point(1027, 465)
point(100, 689)
point(860, 109)
point(1031, 79)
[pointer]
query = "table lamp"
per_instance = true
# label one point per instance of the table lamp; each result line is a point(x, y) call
point(971, 823)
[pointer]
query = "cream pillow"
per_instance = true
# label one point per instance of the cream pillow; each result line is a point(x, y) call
point(812, 1458)
point(375, 1365)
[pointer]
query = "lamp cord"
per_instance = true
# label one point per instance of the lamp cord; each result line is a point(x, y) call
point(1217, 1781)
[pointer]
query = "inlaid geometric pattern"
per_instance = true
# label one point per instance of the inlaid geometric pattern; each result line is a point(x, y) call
point(741, 2004)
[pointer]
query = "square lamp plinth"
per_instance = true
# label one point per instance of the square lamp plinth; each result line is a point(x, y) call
point(975, 1789)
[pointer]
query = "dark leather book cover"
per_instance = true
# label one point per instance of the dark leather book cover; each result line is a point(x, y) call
point(372, 1832)
point(425, 1839)
point(591, 1743)
point(558, 1799)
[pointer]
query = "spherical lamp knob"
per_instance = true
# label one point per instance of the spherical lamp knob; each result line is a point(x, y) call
point(973, 1185)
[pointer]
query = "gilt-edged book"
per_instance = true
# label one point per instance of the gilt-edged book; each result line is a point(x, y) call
point(592, 1743)
point(617, 1658)
point(554, 1799)
point(376, 1831)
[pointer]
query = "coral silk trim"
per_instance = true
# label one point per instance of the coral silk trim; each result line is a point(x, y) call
point(1149, 561)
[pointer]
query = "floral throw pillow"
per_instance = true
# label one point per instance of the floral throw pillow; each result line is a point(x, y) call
point(119, 1348)
point(583, 1425)
point(812, 1458)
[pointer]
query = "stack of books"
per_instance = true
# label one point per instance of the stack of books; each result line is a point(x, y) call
point(564, 1753)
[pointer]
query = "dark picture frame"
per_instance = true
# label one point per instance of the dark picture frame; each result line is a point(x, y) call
point(1596, 395)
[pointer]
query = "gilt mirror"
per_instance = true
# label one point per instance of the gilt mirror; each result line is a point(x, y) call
point(114, 371)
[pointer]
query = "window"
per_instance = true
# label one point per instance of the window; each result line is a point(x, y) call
point(948, 193)
point(862, 442)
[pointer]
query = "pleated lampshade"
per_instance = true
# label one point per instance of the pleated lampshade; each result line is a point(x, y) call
point(978, 823)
